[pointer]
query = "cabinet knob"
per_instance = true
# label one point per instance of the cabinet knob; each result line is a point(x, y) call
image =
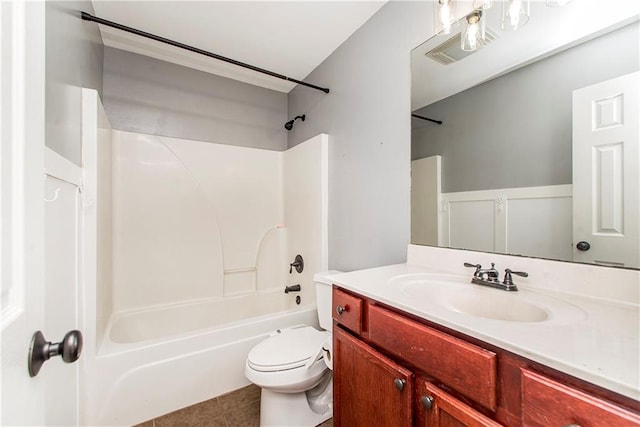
point(340, 309)
point(427, 402)
point(399, 383)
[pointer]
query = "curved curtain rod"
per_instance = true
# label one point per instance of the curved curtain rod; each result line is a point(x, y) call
point(88, 17)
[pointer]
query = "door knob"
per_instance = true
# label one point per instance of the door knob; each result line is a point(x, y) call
point(583, 246)
point(42, 350)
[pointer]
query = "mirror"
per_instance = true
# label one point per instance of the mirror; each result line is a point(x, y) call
point(511, 165)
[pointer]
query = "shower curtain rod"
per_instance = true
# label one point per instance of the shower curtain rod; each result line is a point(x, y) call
point(89, 17)
point(426, 118)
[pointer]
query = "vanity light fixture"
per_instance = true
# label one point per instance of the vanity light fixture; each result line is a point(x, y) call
point(515, 13)
point(557, 3)
point(445, 15)
point(473, 31)
point(484, 4)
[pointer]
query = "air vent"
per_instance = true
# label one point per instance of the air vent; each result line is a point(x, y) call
point(450, 51)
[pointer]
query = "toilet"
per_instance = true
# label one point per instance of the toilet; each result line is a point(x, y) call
point(293, 368)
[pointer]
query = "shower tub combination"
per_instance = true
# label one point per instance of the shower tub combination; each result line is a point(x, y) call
point(146, 377)
point(169, 326)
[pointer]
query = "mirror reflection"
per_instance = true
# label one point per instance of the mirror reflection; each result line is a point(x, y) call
point(537, 153)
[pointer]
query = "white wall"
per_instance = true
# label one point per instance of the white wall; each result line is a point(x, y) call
point(98, 243)
point(196, 220)
point(96, 294)
point(306, 209)
point(104, 277)
point(190, 218)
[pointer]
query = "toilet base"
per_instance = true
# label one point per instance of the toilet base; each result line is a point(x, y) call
point(290, 409)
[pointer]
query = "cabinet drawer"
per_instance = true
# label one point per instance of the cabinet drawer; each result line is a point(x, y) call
point(347, 310)
point(546, 402)
point(466, 368)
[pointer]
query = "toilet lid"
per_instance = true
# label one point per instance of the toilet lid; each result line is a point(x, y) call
point(289, 349)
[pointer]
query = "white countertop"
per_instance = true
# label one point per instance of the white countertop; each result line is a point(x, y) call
point(601, 346)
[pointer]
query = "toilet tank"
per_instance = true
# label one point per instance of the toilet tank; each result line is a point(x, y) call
point(323, 297)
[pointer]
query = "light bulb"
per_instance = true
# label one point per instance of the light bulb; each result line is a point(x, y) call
point(473, 32)
point(445, 13)
point(444, 16)
point(483, 4)
point(557, 3)
point(515, 13)
point(472, 36)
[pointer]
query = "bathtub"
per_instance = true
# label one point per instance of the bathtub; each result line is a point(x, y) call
point(155, 361)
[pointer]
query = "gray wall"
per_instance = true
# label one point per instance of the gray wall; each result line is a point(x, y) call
point(143, 94)
point(515, 131)
point(367, 117)
point(73, 61)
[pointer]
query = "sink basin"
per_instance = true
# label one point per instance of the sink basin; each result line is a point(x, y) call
point(496, 306)
point(455, 294)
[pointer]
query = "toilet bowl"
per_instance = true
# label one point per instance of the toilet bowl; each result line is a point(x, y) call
point(293, 368)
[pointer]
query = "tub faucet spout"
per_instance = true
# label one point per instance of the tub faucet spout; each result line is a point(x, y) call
point(291, 288)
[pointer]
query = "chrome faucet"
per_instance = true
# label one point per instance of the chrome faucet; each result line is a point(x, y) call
point(491, 277)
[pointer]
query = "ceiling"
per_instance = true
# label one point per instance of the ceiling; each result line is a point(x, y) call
point(288, 37)
point(548, 31)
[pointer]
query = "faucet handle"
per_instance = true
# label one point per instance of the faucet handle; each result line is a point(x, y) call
point(507, 275)
point(476, 266)
point(517, 273)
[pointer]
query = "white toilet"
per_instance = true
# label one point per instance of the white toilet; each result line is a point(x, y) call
point(293, 368)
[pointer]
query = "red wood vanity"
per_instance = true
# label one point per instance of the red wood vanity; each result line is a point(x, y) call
point(394, 369)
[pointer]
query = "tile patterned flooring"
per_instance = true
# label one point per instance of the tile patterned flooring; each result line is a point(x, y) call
point(240, 408)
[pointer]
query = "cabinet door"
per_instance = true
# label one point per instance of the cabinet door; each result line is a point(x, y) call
point(368, 388)
point(546, 402)
point(436, 408)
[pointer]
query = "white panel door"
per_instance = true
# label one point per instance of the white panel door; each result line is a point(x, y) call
point(425, 201)
point(22, 208)
point(606, 181)
point(39, 251)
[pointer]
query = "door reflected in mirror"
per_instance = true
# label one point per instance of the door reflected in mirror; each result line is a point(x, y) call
point(538, 146)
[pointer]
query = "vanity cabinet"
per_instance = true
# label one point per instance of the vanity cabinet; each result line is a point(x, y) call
point(372, 389)
point(393, 369)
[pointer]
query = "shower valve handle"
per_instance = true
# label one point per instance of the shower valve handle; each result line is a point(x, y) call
point(298, 263)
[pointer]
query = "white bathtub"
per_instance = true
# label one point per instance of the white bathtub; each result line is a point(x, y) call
point(180, 319)
point(156, 361)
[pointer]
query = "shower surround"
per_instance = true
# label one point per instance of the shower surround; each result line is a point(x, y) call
point(187, 253)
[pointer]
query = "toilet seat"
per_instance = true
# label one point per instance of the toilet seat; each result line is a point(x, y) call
point(289, 349)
